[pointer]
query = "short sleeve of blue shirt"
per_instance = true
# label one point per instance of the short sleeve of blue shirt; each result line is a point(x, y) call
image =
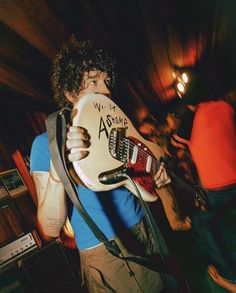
point(40, 155)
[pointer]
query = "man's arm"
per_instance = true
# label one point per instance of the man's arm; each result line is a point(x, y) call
point(170, 205)
point(172, 210)
point(51, 210)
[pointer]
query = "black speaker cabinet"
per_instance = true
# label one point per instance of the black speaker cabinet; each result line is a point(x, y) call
point(9, 282)
point(48, 271)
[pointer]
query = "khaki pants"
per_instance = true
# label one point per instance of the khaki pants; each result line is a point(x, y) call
point(103, 272)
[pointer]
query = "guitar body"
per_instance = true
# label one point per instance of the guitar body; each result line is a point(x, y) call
point(99, 115)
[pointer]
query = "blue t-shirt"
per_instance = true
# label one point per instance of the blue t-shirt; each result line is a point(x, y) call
point(111, 210)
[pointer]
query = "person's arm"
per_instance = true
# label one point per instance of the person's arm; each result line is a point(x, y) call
point(170, 205)
point(51, 210)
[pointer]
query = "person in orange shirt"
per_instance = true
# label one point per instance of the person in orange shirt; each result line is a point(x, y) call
point(212, 144)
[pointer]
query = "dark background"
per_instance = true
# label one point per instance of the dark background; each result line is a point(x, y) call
point(147, 37)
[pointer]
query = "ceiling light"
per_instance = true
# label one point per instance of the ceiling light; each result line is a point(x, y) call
point(185, 77)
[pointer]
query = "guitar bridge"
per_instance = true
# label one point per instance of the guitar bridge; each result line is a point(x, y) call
point(118, 144)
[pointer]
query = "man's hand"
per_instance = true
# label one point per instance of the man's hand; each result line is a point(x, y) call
point(181, 224)
point(78, 140)
point(161, 178)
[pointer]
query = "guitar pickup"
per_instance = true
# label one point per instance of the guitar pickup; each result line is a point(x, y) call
point(149, 164)
point(118, 144)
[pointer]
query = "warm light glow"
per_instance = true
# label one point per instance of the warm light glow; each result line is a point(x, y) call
point(180, 87)
point(181, 80)
point(185, 77)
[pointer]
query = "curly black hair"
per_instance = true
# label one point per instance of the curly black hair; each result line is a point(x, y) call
point(72, 61)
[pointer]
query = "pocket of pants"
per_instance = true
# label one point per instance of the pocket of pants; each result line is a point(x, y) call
point(96, 281)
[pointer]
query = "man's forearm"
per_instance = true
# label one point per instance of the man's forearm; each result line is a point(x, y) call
point(171, 209)
point(52, 211)
point(169, 202)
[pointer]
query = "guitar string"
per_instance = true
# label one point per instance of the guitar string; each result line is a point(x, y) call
point(143, 153)
point(140, 150)
point(156, 163)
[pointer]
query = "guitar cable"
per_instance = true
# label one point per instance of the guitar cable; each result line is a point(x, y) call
point(154, 230)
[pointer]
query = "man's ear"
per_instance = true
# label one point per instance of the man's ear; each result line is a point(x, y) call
point(71, 96)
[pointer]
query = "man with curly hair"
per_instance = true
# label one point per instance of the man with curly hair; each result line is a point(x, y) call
point(81, 68)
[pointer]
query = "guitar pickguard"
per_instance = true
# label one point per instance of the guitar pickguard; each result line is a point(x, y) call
point(139, 168)
point(140, 161)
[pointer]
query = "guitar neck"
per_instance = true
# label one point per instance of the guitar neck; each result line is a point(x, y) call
point(181, 184)
point(153, 164)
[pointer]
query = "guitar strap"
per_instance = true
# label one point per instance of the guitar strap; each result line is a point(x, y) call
point(56, 125)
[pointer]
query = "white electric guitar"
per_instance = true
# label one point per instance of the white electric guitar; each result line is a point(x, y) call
point(116, 149)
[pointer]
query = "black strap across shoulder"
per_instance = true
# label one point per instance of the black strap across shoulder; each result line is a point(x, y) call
point(56, 128)
point(56, 125)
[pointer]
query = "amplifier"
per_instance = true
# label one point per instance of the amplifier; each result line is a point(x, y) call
point(18, 247)
point(48, 270)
